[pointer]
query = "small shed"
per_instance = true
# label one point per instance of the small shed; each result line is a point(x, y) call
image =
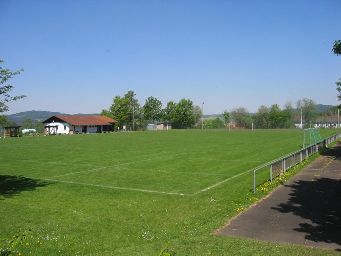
point(11, 131)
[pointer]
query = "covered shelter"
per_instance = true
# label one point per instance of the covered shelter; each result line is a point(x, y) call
point(12, 131)
point(69, 124)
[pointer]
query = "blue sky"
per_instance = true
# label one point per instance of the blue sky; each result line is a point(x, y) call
point(78, 55)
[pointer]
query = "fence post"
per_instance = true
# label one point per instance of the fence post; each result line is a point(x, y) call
point(301, 156)
point(271, 173)
point(284, 168)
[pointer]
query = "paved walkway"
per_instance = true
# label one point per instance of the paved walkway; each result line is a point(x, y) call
point(306, 210)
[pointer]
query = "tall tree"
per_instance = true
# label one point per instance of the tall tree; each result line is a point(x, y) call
point(106, 112)
point(275, 117)
point(262, 117)
point(226, 117)
point(6, 88)
point(169, 112)
point(338, 88)
point(183, 116)
point(197, 112)
point(126, 110)
point(337, 51)
point(288, 114)
point(308, 107)
point(337, 47)
point(152, 109)
point(241, 117)
point(3, 120)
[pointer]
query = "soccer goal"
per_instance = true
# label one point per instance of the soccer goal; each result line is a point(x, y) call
point(311, 136)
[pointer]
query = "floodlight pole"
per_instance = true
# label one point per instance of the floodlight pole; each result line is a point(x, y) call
point(202, 116)
point(301, 119)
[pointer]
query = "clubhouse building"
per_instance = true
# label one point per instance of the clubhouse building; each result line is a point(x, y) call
point(70, 124)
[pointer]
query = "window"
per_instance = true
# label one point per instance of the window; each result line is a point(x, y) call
point(64, 127)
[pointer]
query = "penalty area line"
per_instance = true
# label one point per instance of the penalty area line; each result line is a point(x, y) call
point(223, 181)
point(115, 187)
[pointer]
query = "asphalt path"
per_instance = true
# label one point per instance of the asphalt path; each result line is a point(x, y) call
point(306, 210)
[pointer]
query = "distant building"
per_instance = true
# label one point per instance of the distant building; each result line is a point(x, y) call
point(69, 124)
point(11, 131)
point(159, 127)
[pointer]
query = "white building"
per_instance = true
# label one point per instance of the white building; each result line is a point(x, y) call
point(69, 124)
point(159, 127)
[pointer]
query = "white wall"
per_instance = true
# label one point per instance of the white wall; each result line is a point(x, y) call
point(62, 128)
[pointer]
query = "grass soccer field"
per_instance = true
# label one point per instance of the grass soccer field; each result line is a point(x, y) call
point(135, 193)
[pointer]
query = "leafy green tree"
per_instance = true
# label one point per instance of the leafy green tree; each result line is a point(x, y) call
point(337, 50)
point(241, 117)
point(3, 121)
point(275, 117)
point(125, 110)
point(337, 47)
point(214, 123)
point(197, 112)
point(6, 88)
point(226, 117)
point(152, 109)
point(39, 126)
point(288, 114)
point(183, 115)
point(106, 113)
point(262, 117)
point(309, 111)
point(169, 112)
point(338, 88)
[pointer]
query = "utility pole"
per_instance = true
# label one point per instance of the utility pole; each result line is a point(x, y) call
point(202, 116)
point(301, 118)
point(338, 118)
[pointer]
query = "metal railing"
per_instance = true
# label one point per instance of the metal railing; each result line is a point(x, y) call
point(272, 169)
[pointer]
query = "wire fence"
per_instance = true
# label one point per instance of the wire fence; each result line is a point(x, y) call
point(271, 170)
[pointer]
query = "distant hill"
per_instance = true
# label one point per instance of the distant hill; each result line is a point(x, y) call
point(324, 108)
point(37, 116)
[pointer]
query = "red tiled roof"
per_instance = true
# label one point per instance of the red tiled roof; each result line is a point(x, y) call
point(82, 119)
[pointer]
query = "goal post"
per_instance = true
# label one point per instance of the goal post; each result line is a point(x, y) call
point(311, 136)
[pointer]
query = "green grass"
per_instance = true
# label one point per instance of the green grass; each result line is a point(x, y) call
point(135, 193)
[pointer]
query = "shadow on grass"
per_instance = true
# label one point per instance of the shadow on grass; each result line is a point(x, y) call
point(317, 203)
point(12, 185)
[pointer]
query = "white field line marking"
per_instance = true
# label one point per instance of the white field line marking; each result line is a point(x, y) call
point(114, 187)
point(223, 181)
point(70, 173)
point(200, 173)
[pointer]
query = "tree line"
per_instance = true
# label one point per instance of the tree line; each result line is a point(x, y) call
point(272, 117)
point(128, 112)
